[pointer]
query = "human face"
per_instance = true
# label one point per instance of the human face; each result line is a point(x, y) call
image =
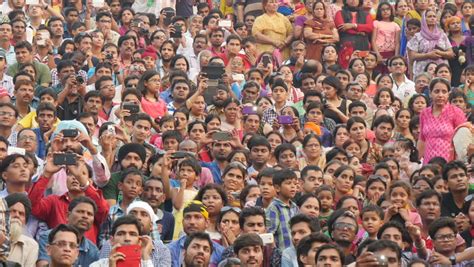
point(457, 180)
point(234, 180)
point(352, 206)
point(370, 62)
point(274, 141)
point(315, 115)
point(259, 155)
point(403, 119)
point(319, 11)
point(93, 105)
point(445, 241)
point(167, 52)
point(143, 217)
point(280, 95)
point(126, 234)
point(383, 132)
point(358, 112)
point(345, 181)
point(431, 19)
point(287, 189)
point(131, 160)
point(63, 251)
point(221, 150)
point(197, 133)
point(393, 234)
point(444, 72)
point(440, 186)
point(430, 209)
point(329, 258)
point(181, 64)
point(5, 32)
point(326, 199)
point(419, 104)
point(19, 29)
point(459, 102)
point(213, 201)
point(230, 221)
point(180, 92)
point(89, 123)
point(299, 231)
point(371, 222)
point(355, 92)
point(375, 191)
point(153, 193)
point(287, 159)
point(198, 253)
point(385, 82)
point(439, 94)
point(23, 55)
point(357, 131)
point(82, 217)
point(402, 9)
point(194, 222)
point(312, 181)
point(399, 197)
point(329, 91)
point(17, 172)
point(266, 187)
point(330, 54)
point(354, 149)
point(254, 224)
point(251, 256)
point(342, 135)
point(132, 186)
point(17, 211)
point(214, 125)
point(250, 95)
point(217, 38)
point(141, 130)
point(310, 207)
point(153, 84)
point(45, 120)
point(308, 85)
point(233, 47)
point(344, 229)
point(28, 141)
point(181, 119)
point(231, 111)
point(358, 66)
point(398, 66)
point(312, 149)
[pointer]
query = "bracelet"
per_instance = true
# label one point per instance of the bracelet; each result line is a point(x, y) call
point(84, 188)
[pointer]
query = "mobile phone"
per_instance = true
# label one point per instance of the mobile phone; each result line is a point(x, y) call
point(179, 155)
point(79, 79)
point(363, 54)
point(64, 159)
point(247, 110)
point(177, 31)
point(41, 39)
point(109, 56)
point(111, 129)
point(133, 108)
point(285, 119)
point(235, 195)
point(213, 72)
point(132, 256)
point(15, 150)
point(70, 132)
point(168, 17)
point(382, 260)
point(222, 136)
point(266, 60)
point(267, 238)
point(224, 23)
point(32, 2)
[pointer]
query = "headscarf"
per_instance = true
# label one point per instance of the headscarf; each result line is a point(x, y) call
point(451, 20)
point(431, 36)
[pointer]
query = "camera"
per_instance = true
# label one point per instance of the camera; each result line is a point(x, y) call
point(109, 56)
point(79, 79)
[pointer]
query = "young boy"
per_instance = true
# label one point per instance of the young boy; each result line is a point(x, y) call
point(325, 195)
point(413, 27)
point(187, 173)
point(265, 182)
point(311, 179)
point(372, 220)
point(131, 187)
point(282, 208)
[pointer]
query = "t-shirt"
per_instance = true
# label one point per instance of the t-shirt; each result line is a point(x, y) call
point(386, 35)
point(448, 206)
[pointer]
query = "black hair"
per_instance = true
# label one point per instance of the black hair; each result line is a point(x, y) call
point(372, 208)
point(63, 228)
point(328, 247)
point(380, 91)
point(198, 236)
point(306, 242)
point(126, 219)
point(386, 244)
point(130, 171)
point(331, 154)
point(455, 164)
point(250, 211)
point(81, 199)
point(428, 194)
point(172, 134)
point(283, 175)
point(441, 223)
point(193, 163)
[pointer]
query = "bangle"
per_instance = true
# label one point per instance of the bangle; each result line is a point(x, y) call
point(84, 188)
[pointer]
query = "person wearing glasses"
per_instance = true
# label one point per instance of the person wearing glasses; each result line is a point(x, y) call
point(343, 227)
point(403, 88)
point(63, 245)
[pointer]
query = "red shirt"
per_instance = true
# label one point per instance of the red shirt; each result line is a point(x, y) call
point(53, 209)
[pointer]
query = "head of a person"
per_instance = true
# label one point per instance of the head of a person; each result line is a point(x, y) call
point(342, 226)
point(63, 245)
point(386, 249)
point(330, 255)
point(443, 233)
point(195, 217)
point(248, 247)
point(198, 248)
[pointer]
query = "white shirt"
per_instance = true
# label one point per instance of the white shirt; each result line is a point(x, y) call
point(404, 90)
point(105, 263)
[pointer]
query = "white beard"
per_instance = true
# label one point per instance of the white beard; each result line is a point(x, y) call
point(16, 230)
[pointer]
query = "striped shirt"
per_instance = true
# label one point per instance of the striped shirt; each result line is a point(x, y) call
point(4, 229)
point(278, 221)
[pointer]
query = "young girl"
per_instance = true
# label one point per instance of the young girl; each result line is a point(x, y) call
point(315, 114)
point(386, 34)
point(167, 123)
point(325, 195)
point(417, 103)
point(214, 198)
point(383, 99)
point(407, 155)
point(399, 195)
point(150, 85)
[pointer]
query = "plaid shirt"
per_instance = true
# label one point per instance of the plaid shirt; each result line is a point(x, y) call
point(278, 221)
point(55, 78)
point(5, 229)
point(271, 113)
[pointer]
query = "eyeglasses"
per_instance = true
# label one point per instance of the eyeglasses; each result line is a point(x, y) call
point(27, 138)
point(64, 244)
point(7, 114)
point(446, 237)
point(342, 226)
point(227, 208)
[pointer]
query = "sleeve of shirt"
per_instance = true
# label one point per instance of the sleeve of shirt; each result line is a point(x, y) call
point(459, 117)
point(41, 206)
point(4, 228)
point(44, 75)
point(101, 170)
point(164, 255)
point(272, 218)
point(460, 144)
point(149, 263)
point(338, 20)
point(102, 205)
point(42, 241)
point(110, 190)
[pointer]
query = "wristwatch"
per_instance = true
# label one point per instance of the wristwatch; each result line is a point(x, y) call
point(452, 258)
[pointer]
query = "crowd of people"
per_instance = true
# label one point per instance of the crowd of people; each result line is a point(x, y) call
point(259, 133)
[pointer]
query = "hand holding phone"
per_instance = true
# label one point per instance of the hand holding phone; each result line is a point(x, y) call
point(132, 255)
point(64, 159)
point(285, 119)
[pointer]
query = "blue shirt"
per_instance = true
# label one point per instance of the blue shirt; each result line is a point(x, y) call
point(177, 259)
point(166, 96)
point(41, 145)
point(88, 252)
point(216, 172)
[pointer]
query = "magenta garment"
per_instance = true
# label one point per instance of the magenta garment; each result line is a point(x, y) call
point(437, 132)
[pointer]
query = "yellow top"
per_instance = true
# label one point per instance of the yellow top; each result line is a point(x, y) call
point(275, 27)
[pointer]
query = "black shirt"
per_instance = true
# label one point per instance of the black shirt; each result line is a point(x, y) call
point(448, 206)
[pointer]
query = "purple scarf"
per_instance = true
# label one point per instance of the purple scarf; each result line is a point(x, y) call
point(431, 36)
